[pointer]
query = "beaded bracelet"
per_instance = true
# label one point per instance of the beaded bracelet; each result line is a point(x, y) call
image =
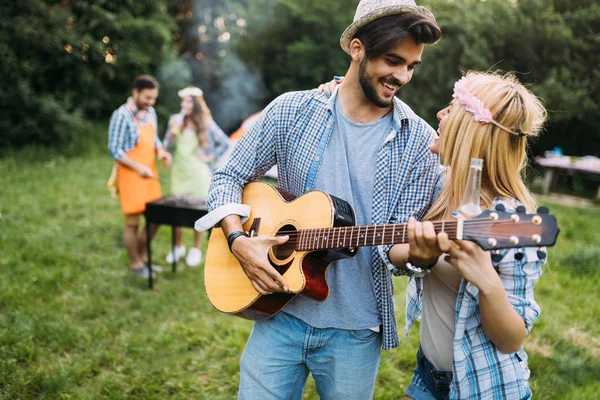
point(417, 272)
point(422, 267)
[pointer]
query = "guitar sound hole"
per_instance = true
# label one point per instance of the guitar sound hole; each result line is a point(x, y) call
point(285, 250)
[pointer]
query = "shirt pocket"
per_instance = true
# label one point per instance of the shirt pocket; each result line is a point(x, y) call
point(519, 262)
point(364, 335)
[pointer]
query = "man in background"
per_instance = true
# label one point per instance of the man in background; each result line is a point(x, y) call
point(134, 145)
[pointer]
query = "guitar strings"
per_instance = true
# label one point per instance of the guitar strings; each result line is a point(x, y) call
point(371, 230)
point(370, 237)
point(437, 224)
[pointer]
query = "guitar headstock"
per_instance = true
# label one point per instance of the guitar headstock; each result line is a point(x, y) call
point(498, 229)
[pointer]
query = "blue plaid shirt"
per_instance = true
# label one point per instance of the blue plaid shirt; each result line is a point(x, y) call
point(123, 131)
point(480, 371)
point(293, 132)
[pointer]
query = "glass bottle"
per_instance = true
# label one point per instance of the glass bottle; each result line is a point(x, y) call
point(470, 205)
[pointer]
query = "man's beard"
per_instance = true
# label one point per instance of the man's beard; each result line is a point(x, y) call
point(139, 105)
point(369, 90)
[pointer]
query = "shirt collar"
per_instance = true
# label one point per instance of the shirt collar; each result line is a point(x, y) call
point(400, 112)
point(142, 116)
point(132, 106)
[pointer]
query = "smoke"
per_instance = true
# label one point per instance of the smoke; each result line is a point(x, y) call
point(240, 94)
point(232, 90)
point(172, 77)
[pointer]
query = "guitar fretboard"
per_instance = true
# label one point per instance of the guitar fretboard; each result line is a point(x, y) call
point(368, 235)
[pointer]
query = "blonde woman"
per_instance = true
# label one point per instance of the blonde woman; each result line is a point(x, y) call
point(197, 141)
point(475, 310)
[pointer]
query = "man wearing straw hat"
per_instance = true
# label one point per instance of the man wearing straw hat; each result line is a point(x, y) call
point(362, 145)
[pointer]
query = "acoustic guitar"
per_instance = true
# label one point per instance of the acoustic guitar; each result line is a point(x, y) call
point(321, 230)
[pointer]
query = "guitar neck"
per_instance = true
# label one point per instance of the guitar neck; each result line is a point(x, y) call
point(369, 235)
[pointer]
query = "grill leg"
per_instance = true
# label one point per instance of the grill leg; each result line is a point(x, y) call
point(149, 251)
point(173, 248)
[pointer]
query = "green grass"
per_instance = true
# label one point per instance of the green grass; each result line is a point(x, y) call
point(75, 325)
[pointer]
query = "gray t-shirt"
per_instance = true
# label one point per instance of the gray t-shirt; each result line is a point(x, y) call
point(348, 172)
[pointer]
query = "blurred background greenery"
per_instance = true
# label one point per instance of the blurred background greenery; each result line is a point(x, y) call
point(74, 325)
point(67, 64)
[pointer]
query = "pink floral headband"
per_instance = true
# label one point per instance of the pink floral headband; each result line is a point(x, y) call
point(476, 107)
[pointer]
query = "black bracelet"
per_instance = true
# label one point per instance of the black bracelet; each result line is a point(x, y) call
point(234, 235)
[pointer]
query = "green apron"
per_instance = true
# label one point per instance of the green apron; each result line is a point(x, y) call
point(189, 175)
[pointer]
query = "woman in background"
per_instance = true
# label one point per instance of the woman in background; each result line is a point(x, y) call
point(197, 142)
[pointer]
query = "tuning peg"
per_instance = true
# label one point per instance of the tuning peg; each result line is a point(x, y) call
point(521, 209)
point(497, 257)
point(543, 210)
point(500, 207)
point(541, 254)
point(519, 256)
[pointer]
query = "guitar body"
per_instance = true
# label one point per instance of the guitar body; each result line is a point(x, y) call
point(273, 211)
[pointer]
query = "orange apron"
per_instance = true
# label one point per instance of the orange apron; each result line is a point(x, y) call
point(135, 191)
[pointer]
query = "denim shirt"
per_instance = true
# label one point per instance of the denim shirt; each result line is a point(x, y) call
point(293, 132)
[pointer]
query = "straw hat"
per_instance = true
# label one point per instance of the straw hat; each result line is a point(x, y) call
point(190, 91)
point(370, 10)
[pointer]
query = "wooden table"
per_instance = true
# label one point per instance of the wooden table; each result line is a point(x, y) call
point(571, 165)
point(175, 211)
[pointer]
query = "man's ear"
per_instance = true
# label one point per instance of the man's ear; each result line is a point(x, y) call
point(134, 92)
point(357, 49)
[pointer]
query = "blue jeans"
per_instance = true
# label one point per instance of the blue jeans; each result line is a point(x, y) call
point(427, 382)
point(282, 350)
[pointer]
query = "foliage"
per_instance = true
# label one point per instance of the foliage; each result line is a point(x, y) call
point(57, 73)
point(554, 45)
point(294, 44)
point(75, 325)
point(65, 62)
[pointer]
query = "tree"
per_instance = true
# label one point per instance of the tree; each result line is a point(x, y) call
point(65, 62)
point(295, 44)
point(553, 46)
